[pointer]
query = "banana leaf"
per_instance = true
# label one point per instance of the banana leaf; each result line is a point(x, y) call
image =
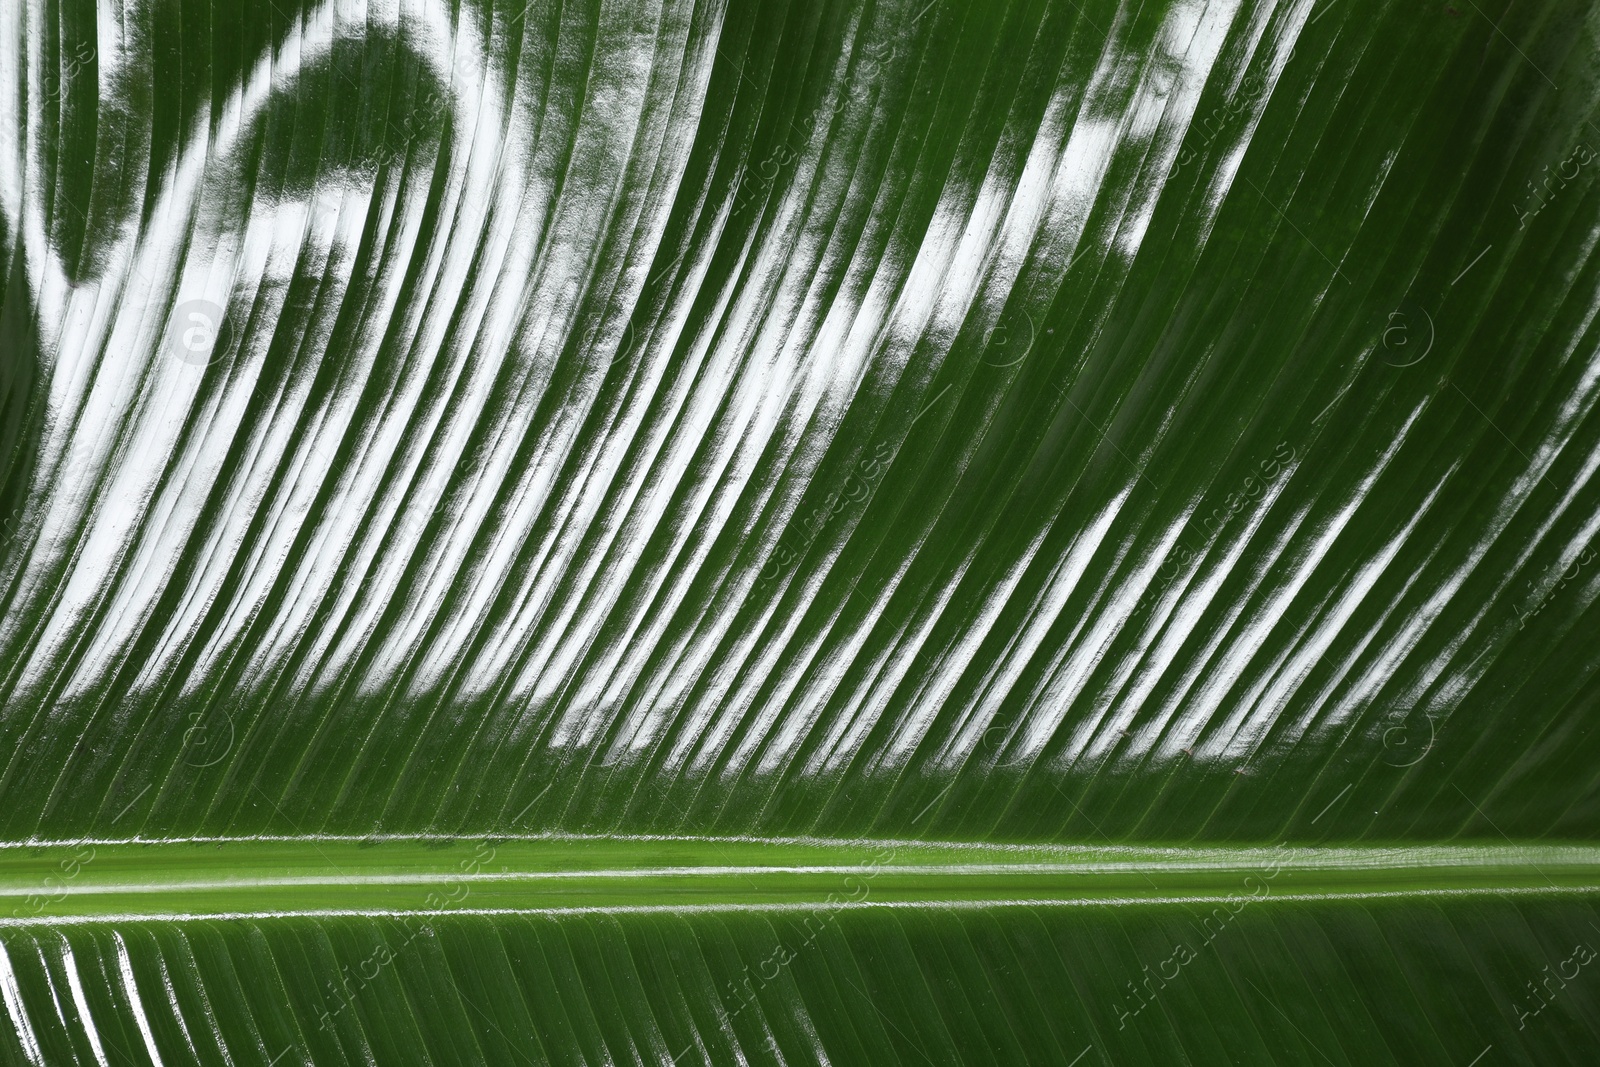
point(750, 531)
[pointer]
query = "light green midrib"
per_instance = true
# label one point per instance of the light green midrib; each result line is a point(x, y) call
point(63, 882)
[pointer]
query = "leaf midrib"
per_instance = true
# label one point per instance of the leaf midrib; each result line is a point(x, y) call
point(62, 881)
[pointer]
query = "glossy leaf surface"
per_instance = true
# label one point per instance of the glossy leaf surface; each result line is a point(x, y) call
point(725, 532)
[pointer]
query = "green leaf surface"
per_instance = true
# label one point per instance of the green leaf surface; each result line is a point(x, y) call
point(714, 531)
